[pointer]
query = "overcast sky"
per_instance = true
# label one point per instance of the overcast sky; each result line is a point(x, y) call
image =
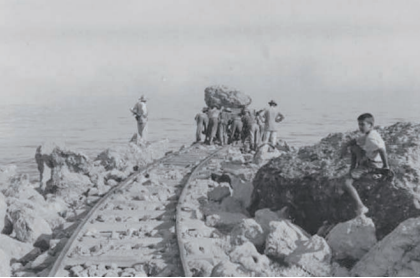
point(107, 47)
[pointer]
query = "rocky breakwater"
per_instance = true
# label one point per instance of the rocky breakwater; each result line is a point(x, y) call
point(36, 219)
point(306, 183)
point(225, 96)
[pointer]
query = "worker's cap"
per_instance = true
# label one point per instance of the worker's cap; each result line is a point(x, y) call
point(272, 102)
point(143, 98)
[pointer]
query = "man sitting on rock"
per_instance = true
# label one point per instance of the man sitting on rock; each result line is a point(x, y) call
point(368, 155)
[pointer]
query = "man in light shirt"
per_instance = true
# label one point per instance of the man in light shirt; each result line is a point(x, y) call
point(140, 111)
point(270, 117)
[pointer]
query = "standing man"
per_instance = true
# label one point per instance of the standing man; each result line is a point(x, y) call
point(213, 114)
point(140, 111)
point(224, 118)
point(270, 117)
point(202, 121)
point(236, 129)
point(252, 130)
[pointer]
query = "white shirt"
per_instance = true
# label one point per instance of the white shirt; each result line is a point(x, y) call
point(371, 144)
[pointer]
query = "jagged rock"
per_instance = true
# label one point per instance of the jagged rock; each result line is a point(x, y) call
point(352, 239)
point(200, 268)
point(225, 221)
point(229, 269)
point(14, 248)
point(396, 255)
point(225, 96)
point(248, 256)
point(314, 256)
point(3, 210)
point(27, 226)
point(263, 155)
point(220, 192)
point(56, 205)
point(127, 156)
point(21, 188)
point(6, 174)
point(264, 217)
point(247, 230)
point(116, 175)
point(237, 159)
point(306, 180)
point(283, 239)
point(5, 270)
point(57, 157)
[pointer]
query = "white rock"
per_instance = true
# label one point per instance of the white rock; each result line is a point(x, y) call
point(283, 239)
point(247, 230)
point(27, 226)
point(16, 249)
point(395, 255)
point(5, 270)
point(313, 255)
point(352, 239)
point(248, 256)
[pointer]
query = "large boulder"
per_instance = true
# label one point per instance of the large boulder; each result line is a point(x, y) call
point(57, 156)
point(352, 239)
point(307, 181)
point(283, 239)
point(225, 96)
point(124, 157)
point(27, 226)
point(396, 255)
point(314, 256)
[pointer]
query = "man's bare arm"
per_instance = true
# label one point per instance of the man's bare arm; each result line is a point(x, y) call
point(382, 153)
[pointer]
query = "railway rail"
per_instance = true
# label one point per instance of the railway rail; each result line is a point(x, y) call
point(132, 230)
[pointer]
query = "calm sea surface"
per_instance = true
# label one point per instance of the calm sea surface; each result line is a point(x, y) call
point(91, 124)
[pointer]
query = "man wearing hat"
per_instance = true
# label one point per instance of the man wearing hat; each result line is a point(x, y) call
point(224, 118)
point(270, 117)
point(140, 111)
point(202, 121)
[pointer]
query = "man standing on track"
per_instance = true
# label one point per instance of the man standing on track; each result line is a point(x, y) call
point(140, 111)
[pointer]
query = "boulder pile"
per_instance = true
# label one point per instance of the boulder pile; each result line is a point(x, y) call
point(307, 182)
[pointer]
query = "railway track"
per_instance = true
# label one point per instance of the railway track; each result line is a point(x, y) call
point(132, 230)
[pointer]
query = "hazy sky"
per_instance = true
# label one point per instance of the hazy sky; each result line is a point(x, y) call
point(51, 48)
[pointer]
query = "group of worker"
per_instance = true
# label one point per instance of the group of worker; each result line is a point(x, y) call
point(252, 128)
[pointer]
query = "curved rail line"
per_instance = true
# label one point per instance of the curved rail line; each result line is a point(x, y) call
point(132, 229)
